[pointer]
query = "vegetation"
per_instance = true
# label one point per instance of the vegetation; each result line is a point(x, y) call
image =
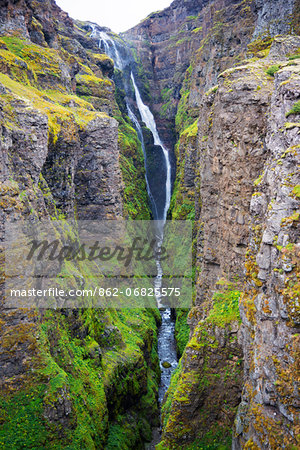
point(182, 330)
point(225, 304)
point(85, 363)
point(204, 372)
point(295, 109)
point(272, 70)
point(260, 47)
point(74, 373)
point(296, 191)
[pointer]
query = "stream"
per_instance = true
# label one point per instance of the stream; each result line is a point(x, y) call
point(159, 196)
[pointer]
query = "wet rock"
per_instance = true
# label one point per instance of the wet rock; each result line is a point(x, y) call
point(166, 365)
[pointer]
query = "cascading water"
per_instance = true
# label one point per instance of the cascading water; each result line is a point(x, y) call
point(148, 119)
point(166, 339)
point(110, 49)
point(138, 128)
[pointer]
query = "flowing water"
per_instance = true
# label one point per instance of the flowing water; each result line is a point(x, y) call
point(138, 128)
point(148, 119)
point(166, 338)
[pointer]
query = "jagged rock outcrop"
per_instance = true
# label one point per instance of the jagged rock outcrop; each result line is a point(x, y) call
point(215, 33)
point(273, 17)
point(245, 141)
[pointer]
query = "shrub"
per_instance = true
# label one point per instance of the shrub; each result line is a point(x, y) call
point(272, 70)
point(295, 109)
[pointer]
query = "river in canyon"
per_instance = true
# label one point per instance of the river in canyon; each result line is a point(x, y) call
point(159, 186)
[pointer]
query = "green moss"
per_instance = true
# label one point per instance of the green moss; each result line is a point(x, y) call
point(182, 117)
point(135, 196)
point(182, 41)
point(197, 30)
point(166, 407)
point(272, 70)
point(293, 57)
point(166, 94)
point(89, 361)
point(290, 125)
point(260, 47)
point(21, 419)
point(295, 109)
point(208, 362)
point(44, 63)
point(72, 372)
point(212, 90)
point(192, 130)
point(43, 101)
point(215, 439)
point(296, 191)
point(258, 180)
point(90, 85)
point(225, 305)
point(182, 329)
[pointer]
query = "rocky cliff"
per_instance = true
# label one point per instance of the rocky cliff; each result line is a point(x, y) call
point(233, 236)
point(232, 139)
point(69, 378)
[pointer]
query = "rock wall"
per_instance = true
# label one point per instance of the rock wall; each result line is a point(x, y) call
point(169, 41)
point(273, 17)
point(69, 378)
point(242, 127)
point(223, 106)
point(268, 416)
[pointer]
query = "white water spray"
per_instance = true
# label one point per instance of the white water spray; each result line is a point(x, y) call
point(148, 119)
point(138, 127)
point(110, 49)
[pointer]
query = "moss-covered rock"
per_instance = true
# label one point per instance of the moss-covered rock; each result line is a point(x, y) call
point(205, 387)
point(72, 378)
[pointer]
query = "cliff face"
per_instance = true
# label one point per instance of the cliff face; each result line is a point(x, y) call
point(205, 36)
point(243, 138)
point(226, 113)
point(269, 413)
point(77, 378)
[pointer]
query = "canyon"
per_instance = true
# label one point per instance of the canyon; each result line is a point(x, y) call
point(217, 82)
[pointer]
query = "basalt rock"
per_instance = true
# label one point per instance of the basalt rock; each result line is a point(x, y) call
point(68, 153)
point(223, 120)
point(268, 416)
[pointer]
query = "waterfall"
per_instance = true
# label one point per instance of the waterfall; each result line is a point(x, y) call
point(166, 337)
point(148, 119)
point(110, 49)
point(138, 128)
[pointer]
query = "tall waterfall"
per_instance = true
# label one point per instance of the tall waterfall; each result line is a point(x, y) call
point(148, 119)
point(166, 337)
point(111, 48)
point(138, 128)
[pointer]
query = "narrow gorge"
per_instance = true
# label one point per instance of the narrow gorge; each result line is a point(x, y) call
point(192, 116)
